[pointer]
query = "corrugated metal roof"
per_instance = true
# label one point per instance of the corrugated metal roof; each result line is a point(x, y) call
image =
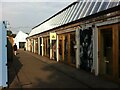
point(75, 11)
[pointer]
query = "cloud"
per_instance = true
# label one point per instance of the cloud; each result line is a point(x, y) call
point(29, 14)
point(0, 11)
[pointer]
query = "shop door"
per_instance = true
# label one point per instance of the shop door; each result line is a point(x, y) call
point(63, 48)
point(106, 51)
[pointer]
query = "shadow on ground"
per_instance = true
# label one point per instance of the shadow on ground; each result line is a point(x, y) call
point(55, 79)
point(13, 68)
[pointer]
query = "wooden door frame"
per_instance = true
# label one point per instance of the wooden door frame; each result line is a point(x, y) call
point(115, 47)
point(68, 39)
point(70, 47)
point(62, 46)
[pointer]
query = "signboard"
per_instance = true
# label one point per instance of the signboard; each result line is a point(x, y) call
point(52, 36)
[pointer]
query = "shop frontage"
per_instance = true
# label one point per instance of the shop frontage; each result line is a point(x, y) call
point(86, 40)
point(67, 48)
point(46, 46)
point(109, 48)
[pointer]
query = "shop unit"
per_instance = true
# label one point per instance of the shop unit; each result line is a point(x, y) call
point(85, 38)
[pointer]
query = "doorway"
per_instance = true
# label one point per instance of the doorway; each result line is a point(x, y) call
point(67, 48)
point(21, 44)
point(46, 48)
point(106, 49)
point(63, 48)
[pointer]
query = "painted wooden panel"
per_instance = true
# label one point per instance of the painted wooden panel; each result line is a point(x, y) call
point(3, 56)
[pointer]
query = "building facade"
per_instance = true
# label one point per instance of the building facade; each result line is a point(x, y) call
point(86, 38)
point(20, 39)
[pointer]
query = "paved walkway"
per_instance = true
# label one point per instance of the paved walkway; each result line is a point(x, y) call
point(36, 71)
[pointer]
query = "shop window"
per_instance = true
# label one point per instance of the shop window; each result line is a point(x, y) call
point(72, 48)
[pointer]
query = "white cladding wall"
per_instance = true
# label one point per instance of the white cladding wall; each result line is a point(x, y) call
point(3, 56)
point(20, 37)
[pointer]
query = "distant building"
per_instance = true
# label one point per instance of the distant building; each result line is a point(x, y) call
point(20, 39)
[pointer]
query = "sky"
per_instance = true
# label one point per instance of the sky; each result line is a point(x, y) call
point(24, 15)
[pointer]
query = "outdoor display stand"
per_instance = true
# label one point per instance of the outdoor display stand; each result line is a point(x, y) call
point(3, 56)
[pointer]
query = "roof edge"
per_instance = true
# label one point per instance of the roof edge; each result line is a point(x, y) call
point(56, 13)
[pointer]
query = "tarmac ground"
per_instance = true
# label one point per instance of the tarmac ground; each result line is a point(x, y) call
point(29, 70)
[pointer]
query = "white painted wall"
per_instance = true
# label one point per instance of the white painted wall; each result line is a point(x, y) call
point(39, 45)
point(78, 48)
point(95, 50)
point(50, 49)
point(20, 37)
point(3, 56)
point(34, 46)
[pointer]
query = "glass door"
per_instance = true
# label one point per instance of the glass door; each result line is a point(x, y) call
point(65, 48)
point(72, 49)
point(106, 52)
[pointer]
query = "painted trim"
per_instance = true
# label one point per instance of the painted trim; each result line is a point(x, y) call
point(42, 47)
point(50, 49)
point(57, 55)
point(34, 45)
